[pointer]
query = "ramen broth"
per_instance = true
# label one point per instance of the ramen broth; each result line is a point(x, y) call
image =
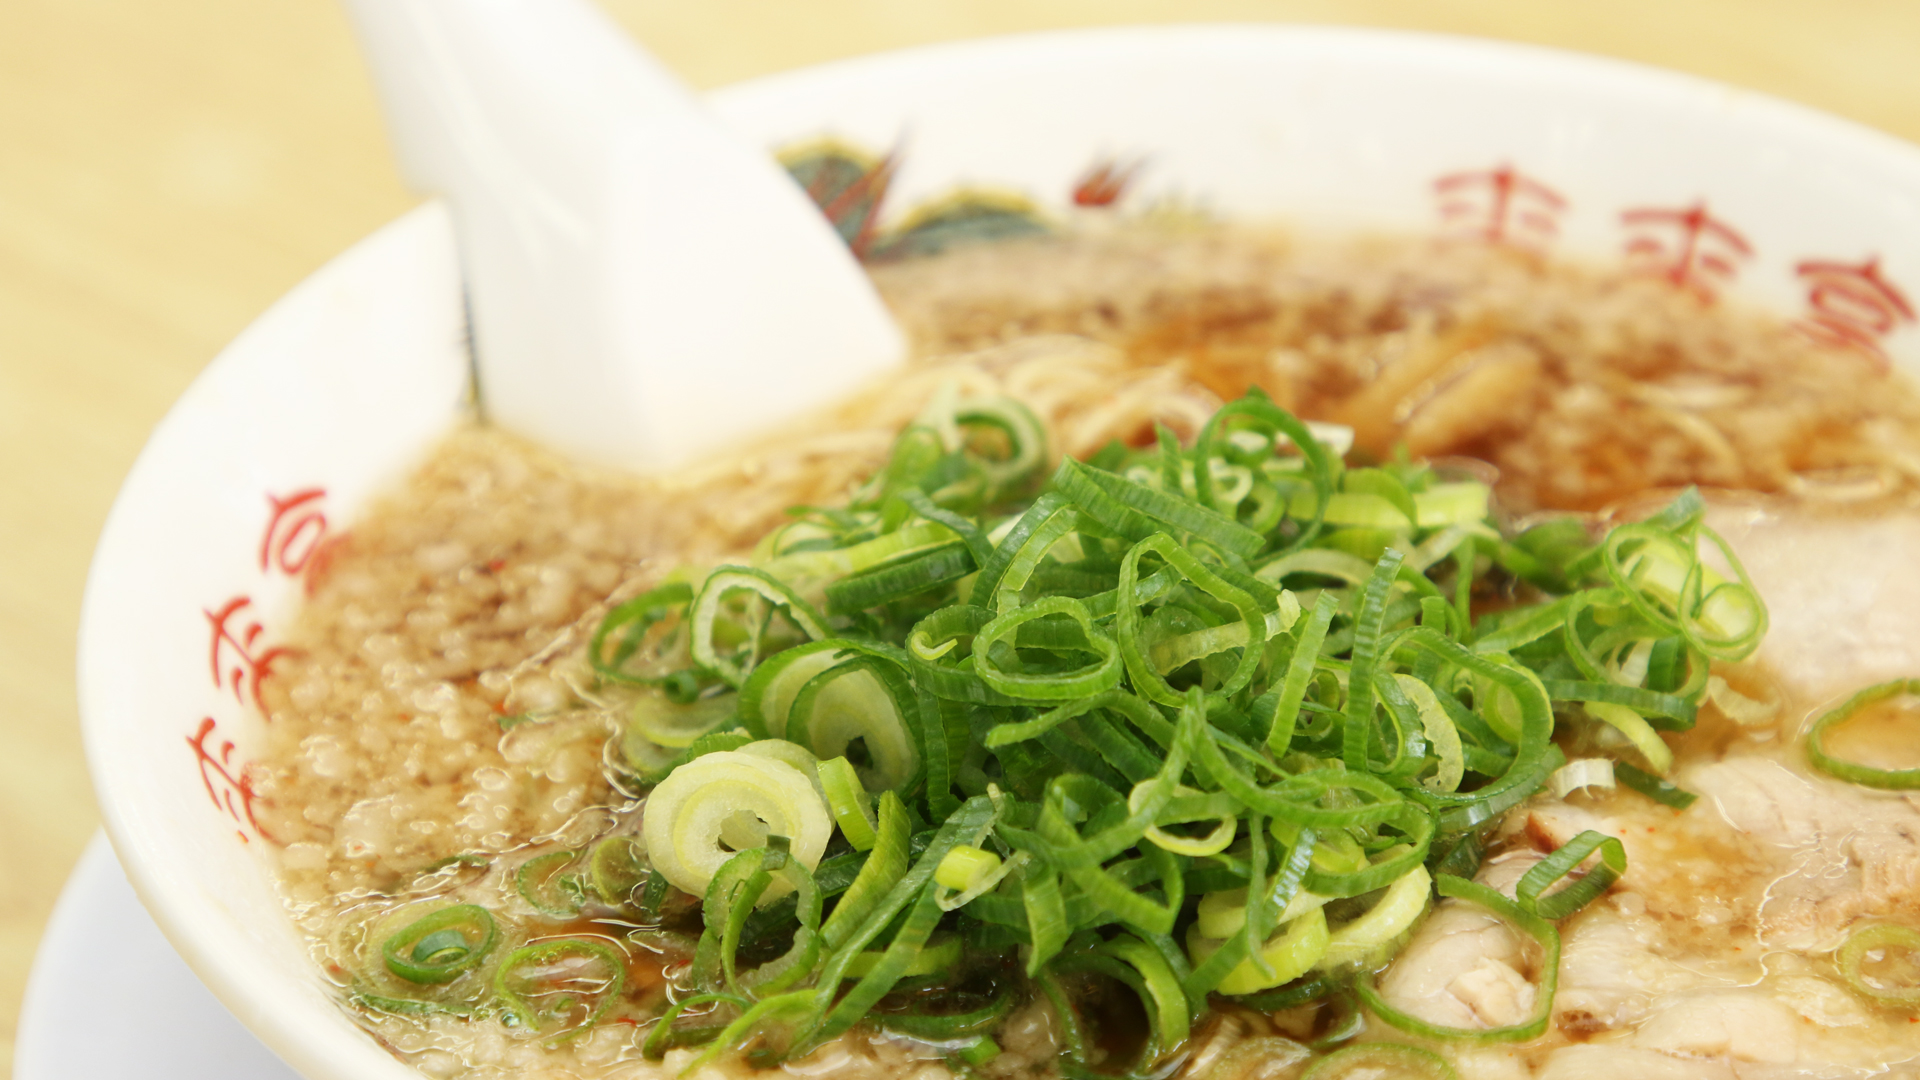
point(435, 733)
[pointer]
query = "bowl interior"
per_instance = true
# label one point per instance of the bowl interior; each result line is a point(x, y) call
point(348, 380)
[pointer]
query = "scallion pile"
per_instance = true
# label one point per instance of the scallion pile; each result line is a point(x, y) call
point(1194, 719)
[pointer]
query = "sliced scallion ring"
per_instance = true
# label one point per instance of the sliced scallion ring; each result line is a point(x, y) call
point(1653, 787)
point(730, 801)
point(624, 630)
point(1362, 942)
point(944, 1027)
point(1443, 737)
point(667, 723)
point(1652, 747)
point(543, 881)
point(1894, 952)
point(438, 947)
point(618, 867)
point(705, 611)
point(885, 865)
point(766, 699)
point(1852, 771)
point(1100, 674)
point(866, 700)
point(1213, 843)
point(1532, 895)
point(568, 981)
point(1291, 952)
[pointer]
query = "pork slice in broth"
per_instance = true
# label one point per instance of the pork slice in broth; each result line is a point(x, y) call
point(1842, 853)
point(1843, 590)
point(1465, 967)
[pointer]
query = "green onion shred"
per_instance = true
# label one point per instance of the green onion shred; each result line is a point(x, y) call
point(1212, 718)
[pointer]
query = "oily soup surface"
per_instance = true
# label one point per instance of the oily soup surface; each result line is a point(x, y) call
point(431, 737)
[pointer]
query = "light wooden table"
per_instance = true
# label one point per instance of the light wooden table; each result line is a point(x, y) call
point(168, 169)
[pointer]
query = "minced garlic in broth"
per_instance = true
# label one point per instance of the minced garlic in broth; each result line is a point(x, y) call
point(433, 706)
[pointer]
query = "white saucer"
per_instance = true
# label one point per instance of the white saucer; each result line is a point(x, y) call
point(109, 997)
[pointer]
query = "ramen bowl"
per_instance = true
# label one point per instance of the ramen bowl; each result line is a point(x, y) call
point(343, 385)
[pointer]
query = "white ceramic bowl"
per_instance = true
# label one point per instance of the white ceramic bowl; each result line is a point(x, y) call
point(344, 383)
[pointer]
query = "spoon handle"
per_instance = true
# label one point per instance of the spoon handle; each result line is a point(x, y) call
point(644, 286)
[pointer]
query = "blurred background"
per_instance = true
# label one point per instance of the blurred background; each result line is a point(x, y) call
point(168, 170)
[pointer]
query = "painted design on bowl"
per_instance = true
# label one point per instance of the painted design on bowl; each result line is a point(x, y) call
point(229, 783)
point(1501, 205)
point(1687, 247)
point(1849, 305)
point(849, 184)
point(1852, 305)
point(294, 545)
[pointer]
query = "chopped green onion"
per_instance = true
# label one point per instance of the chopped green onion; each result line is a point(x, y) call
point(572, 981)
point(865, 699)
point(1119, 677)
point(668, 723)
point(1292, 995)
point(1442, 735)
point(1532, 894)
point(848, 801)
point(624, 630)
point(618, 867)
point(1653, 787)
point(439, 947)
point(1225, 811)
point(1652, 747)
point(1851, 771)
point(965, 867)
point(766, 699)
point(1167, 1005)
point(1581, 775)
point(542, 883)
point(1894, 953)
point(909, 575)
point(1101, 673)
point(730, 800)
point(1289, 954)
point(741, 884)
point(956, 1025)
point(885, 865)
point(666, 1036)
point(979, 1050)
point(705, 611)
point(934, 957)
point(793, 1003)
point(1370, 939)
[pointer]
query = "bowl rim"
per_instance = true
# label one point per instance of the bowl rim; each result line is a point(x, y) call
point(258, 996)
point(1551, 62)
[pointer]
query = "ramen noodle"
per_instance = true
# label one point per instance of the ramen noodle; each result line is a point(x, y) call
point(1063, 704)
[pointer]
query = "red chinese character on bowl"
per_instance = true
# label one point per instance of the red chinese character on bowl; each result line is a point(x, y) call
point(240, 659)
point(1688, 247)
point(1853, 306)
point(296, 529)
point(228, 785)
point(1500, 205)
